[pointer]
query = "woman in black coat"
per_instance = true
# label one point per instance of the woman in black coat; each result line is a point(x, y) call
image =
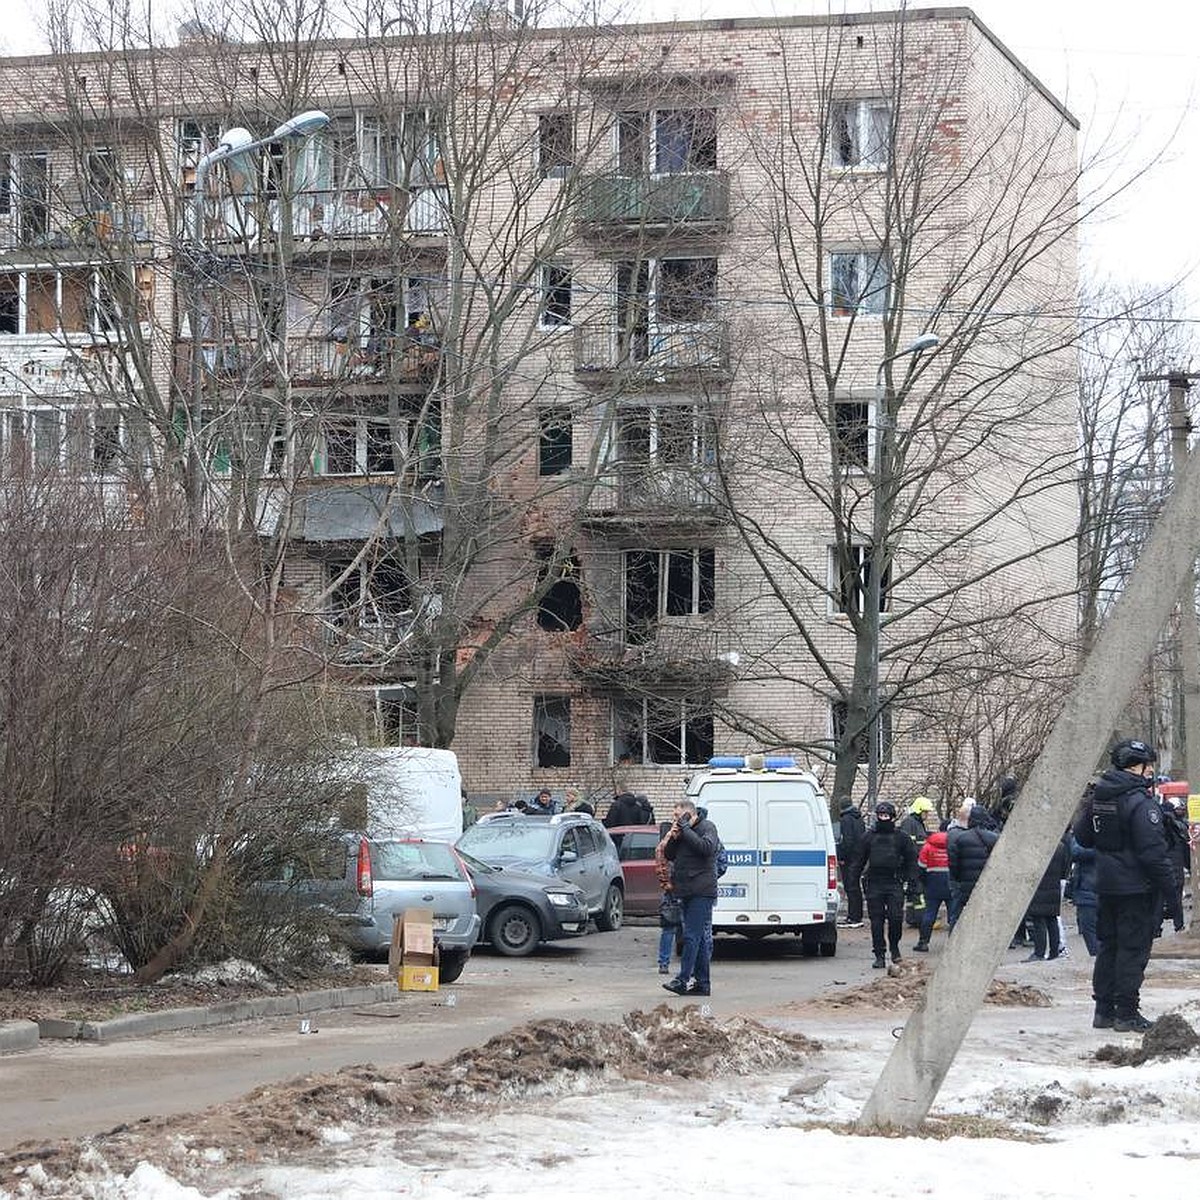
point(1044, 908)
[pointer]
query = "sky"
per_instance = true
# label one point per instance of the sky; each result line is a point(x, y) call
point(1129, 72)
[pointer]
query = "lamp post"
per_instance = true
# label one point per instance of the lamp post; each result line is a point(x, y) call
point(230, 145)
point(880, 481)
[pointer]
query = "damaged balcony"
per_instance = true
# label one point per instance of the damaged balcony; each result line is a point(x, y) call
point(691, 202)
point(639, 494)
point(408, 363)
point(682, 650)
point(684, 354)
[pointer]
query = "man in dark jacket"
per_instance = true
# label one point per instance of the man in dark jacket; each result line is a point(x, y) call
point(1121, 820)
point(691, 847)
point(850, 835)
point(968, 853)
point(1083, 893)
point(625, 809)
point(1179, 852)
point(889, 859)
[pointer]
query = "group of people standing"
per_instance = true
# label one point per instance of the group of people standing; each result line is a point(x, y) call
point(1122, 862)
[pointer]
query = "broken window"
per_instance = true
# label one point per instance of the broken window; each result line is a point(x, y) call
point(633, 140)
point(838, 717)
point(666, 583)
point(555, 312)
point(851, 432)
point(860, 282)
point(41, 302)
point(33, 189)
point(369, 595)
point(850, 581)
point(396, 718)
point(658, 729)
point(552, 731)
point(47, 438)
point(101, 180)
point(561, 607)
point(860, 133)
point(554, 440)
point(10, 303)
point(685, 140)
point(341, 447)
point(379, 447)
point(556, 144)
point(106, 441)
point(6, 182)
point(686, 290)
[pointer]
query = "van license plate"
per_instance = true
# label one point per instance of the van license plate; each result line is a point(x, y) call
point(731, 890)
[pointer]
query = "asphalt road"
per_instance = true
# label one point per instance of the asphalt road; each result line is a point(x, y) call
point(73, 1089)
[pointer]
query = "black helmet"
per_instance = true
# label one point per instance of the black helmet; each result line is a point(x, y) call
point(885, 810)
point(1131, 753)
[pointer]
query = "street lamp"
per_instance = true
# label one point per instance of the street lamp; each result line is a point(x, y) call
point(230, 145)
point(879, 485)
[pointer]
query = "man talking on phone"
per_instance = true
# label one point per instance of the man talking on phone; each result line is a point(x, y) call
point(692, 846)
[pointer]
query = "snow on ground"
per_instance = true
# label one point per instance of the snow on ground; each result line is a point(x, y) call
point(1042, 1117)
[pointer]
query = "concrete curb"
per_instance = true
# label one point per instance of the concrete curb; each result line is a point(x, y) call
point(170, 1020)
point(18, 1035)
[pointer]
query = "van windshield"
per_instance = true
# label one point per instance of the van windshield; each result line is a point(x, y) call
point(414, 860)
point(512, 841)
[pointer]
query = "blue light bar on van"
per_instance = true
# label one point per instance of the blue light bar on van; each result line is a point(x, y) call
point(739, 762)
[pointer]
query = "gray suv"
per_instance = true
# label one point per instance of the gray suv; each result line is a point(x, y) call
point(365, 882)
point(572, 846)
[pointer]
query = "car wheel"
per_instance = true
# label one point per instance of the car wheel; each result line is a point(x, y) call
point(828, 949)
point(451, 966)
point(514, 931)
point(613, 912)
point(809, 947)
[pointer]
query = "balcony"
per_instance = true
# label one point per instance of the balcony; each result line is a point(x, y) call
point(320, 362)
point(33, 228)
point(654, 355)
point(34, 371)
point(352, 216)
point(650, 493)
point(687, 650)
point(611, 203)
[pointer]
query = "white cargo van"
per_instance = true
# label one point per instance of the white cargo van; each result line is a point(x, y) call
point(411, 791)
point(774, 823)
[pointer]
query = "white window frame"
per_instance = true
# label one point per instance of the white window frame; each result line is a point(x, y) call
point(845, 399)
point(862, 555)
point(405, 699)
point(656, 114)
point(866, 264)
point(361, 444)
point(703, 433)
point(664, 567)
point(860, 116)
point(884, 731)
point(74, 438)
point(643, 758)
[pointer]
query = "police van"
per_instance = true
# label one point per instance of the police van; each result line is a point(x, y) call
point(774, 823)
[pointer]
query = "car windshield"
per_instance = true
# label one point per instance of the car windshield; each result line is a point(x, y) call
point(414, 860)
point(509, 841)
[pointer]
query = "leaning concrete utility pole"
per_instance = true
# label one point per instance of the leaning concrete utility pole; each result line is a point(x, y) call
point(917, 1065)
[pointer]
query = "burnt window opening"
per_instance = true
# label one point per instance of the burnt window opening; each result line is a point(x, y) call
point(663, 730)
point(555, 310)
point(368, 596)
point(687, 290)
point(851, 433)
point(666, 583)
point(556, 145)
point(561, 608)
point(839, 717)
point(554, 440)
point(552, 731)
point(396, 717)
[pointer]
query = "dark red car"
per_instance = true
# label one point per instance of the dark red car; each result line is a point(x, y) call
point(635, 848)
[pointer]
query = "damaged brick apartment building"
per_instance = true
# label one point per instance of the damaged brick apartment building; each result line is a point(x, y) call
point(571, 369)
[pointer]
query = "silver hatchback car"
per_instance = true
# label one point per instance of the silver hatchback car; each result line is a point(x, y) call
point(366, 882)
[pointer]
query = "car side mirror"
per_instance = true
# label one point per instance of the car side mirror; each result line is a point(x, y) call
point(567, 857)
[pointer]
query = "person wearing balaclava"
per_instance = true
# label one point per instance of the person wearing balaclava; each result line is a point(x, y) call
point(889, 866)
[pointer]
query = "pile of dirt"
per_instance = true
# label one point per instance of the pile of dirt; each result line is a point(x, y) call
point(100, 995)
point(1169, 1037)
point(905, 984)
point(539, 1058)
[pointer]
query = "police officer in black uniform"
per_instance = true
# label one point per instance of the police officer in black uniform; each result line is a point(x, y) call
point(1121, 819)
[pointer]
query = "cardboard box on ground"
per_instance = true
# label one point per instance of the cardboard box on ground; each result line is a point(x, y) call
point(413, 957)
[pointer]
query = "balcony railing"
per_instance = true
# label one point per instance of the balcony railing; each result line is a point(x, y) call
point(655, 200)
point(62, 372)
point(319, 361)
point(355, 215)
point(675, 494)
point(602, 348)
point(34, 228)
point(687, 647)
